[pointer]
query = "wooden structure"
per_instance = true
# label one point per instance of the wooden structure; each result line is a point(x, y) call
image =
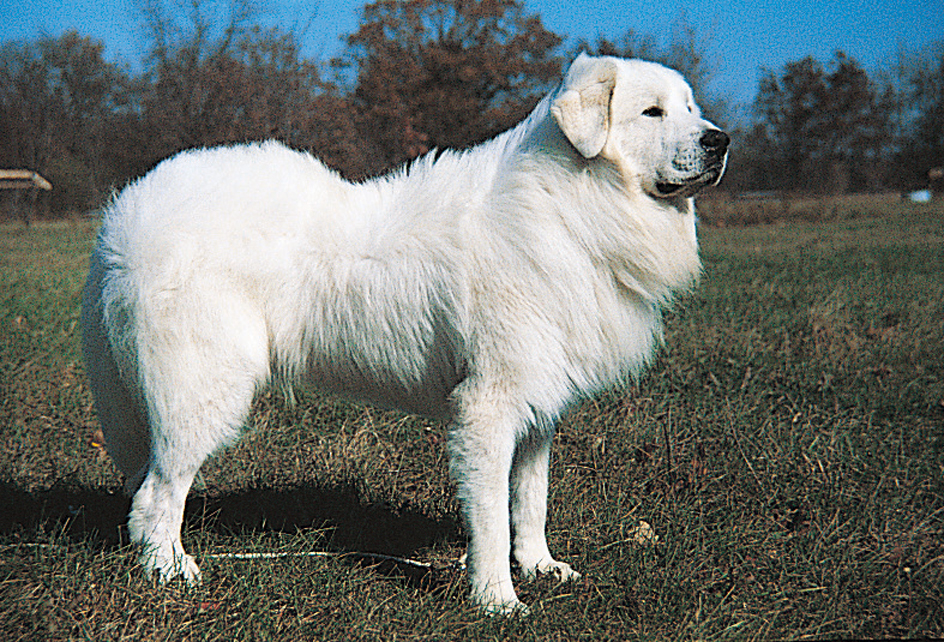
point(32, 183)
point(22, 179)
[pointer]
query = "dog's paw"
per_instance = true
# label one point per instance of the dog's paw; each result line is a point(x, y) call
point(508, 609)
point(498, 598)
point(170, 567)
point(561, 570)
point(496, 605)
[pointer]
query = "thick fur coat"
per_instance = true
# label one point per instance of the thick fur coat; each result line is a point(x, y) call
point(491, 288)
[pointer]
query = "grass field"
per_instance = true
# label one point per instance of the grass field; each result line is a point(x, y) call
point(787, 449)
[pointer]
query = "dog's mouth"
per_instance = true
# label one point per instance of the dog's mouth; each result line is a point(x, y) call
point(692, 186)
point(674, 189)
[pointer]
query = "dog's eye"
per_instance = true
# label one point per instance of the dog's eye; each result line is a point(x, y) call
point(654, 112)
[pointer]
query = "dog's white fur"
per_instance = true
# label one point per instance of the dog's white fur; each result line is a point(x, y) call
point(491, 288)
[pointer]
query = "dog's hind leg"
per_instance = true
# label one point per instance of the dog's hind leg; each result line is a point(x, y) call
point(529, 476)
point(189, 420)
point(198, 381)
point(156, 517)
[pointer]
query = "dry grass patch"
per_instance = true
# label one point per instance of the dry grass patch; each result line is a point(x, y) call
point(785, 452)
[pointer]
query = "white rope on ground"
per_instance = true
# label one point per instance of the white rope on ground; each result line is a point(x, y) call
point(372, 556)
point(379, 557)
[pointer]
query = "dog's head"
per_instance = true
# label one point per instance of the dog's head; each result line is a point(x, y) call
point(642, 117)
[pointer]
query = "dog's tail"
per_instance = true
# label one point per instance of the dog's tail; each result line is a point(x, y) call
point(127, 437)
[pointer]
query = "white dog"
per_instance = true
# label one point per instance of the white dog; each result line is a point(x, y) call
point(492, 288)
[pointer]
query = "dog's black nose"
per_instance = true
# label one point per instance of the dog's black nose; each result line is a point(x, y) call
point(715, 141)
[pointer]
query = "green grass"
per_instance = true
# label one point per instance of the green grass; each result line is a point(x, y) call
point(787, 448)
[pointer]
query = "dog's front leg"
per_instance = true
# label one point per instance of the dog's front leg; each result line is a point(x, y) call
point(481, 449)
point(529, 476)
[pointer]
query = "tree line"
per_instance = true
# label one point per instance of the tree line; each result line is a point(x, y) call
point(419, 75)
point(833, 128)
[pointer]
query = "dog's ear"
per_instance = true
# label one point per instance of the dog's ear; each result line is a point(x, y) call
point(582, 106)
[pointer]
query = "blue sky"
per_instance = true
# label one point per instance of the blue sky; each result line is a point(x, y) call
point(744, 35)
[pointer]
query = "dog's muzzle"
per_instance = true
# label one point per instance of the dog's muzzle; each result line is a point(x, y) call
point(714, 143)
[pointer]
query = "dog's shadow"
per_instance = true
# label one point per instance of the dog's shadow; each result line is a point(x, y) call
point(369, 534)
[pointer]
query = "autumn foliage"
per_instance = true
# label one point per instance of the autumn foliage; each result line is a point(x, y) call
point(433, 74)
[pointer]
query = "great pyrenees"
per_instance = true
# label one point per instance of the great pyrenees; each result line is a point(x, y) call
point(492, 288)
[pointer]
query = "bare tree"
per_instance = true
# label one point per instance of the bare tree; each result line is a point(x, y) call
point(216, 75)
point(191, 64)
